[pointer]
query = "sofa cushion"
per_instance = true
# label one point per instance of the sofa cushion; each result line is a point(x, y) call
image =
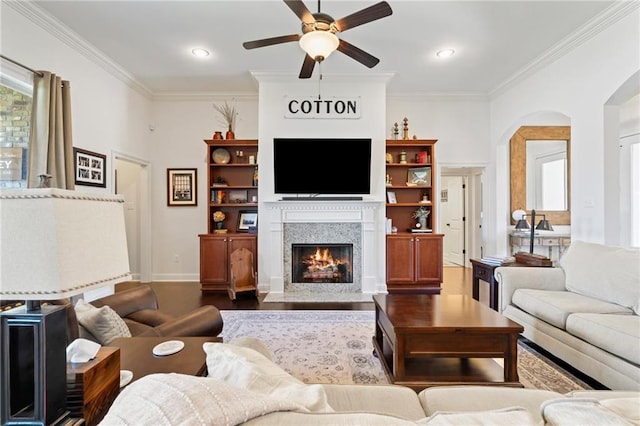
point(504, 417)
point(554, 307)
point(605, 272)
point(616, 334)
point(103, 323)
point(577, 411)
point(478, 398)
point(390, 400)
point(629, 408)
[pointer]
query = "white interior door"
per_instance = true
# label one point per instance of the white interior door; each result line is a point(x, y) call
point(128, 184)
point(452, 218)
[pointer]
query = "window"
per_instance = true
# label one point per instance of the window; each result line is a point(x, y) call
point(16, 94)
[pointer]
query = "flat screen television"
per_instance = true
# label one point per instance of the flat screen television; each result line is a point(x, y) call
point(322, 166)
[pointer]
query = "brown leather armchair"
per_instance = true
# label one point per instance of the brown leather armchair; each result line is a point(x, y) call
point(138, 307)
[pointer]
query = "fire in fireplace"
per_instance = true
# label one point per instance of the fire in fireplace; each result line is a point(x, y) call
point(322, 263)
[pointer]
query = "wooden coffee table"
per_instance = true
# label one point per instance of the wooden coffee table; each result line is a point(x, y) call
point(136, 355)
point(433, 340)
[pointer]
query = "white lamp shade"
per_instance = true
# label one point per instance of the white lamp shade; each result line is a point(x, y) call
point(58, 243)
point(319, 44)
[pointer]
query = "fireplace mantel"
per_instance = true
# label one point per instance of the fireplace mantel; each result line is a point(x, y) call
point(366, 213)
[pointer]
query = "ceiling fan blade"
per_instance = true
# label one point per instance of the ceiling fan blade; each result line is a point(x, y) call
point(307, 67)
point(358, 54)
point(270, 41)
point(371, 13)
point(301, 11)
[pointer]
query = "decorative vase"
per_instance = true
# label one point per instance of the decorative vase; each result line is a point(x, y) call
point(219, 225)
point(230, 134)
point(423, 222)
point(217, 135)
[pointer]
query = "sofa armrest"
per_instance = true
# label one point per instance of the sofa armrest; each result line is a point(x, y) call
point(128, 301)
point(512, 278)
point(204, 321)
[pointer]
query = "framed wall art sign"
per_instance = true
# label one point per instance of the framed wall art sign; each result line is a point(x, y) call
point(182, 187)
point(90, 168)
point(247, 220)
point(420, 176)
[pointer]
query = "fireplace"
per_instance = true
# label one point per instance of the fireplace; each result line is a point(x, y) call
point(318, 224)
point(322, 263)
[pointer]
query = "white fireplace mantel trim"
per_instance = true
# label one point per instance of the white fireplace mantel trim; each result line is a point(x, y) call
point(364, 212)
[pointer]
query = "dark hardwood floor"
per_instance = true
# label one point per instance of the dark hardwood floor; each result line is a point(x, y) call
point(176, 298)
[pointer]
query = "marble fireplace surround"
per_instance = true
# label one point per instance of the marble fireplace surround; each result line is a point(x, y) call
point(313, 222)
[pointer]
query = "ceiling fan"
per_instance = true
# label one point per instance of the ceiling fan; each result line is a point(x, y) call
point(319, 39)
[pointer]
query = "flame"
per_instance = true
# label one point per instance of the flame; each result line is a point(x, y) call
point(321, 260)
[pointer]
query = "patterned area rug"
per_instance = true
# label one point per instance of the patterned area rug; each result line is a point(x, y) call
point(336, 347)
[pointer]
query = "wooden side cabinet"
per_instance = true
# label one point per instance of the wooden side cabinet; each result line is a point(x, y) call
point(414, 263)
point(215, 258)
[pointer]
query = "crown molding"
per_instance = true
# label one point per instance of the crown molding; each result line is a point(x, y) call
point(42, 19)
point(205, 96)
point(595, 26)
point(440, 97)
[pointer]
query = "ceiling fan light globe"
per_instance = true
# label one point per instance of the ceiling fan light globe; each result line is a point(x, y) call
point(319, 44)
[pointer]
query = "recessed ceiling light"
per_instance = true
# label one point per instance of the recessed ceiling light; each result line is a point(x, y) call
point(199, 52)
point(445, 53)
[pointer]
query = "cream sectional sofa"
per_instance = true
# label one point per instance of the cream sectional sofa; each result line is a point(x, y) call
point(585, 312)
point(245, 387)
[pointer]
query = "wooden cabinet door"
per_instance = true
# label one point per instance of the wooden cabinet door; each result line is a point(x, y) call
point(214, 260)
point(428, 250)
point(400, 259)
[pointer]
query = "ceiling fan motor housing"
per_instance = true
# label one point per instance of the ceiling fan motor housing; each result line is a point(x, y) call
point(323, 22)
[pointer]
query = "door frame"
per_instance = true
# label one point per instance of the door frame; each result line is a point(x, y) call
point(144, 208)
point(473, 176)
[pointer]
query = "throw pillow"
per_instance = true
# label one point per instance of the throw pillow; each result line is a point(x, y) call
point(104, 323)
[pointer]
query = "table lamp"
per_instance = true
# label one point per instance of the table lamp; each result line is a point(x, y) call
point(523, 225)
point(54, 244)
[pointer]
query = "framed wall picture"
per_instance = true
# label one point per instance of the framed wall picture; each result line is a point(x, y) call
point(247, 220)
point(420, 176)
point(90, 168)
point(182, 187)
point(238, 196)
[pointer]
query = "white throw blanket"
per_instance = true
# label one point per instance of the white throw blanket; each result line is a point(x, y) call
point(177, 399)
point(242, 384)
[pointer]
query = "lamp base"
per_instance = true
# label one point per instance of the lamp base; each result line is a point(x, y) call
point(33, 373)
point(532, 259)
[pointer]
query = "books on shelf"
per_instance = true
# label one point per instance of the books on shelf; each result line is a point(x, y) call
point(420, 230)
point(498, 260)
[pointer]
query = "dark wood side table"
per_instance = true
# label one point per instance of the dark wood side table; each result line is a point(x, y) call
point(485, 271)
point(136, 355)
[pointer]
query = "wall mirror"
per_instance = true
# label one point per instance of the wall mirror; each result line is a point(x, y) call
point(540, 174)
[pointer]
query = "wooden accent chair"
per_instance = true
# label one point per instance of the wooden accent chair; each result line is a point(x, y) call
point(243, 276)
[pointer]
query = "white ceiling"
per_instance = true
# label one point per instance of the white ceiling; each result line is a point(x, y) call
point(496, 41)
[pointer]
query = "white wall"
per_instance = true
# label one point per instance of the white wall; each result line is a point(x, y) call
point(178, 142)
point(106, 113)
point(370, 89)
point(577, 85)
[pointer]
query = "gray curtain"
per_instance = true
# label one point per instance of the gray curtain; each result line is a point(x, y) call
point(51, 143)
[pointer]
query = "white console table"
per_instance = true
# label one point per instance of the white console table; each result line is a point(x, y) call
point(550, 244)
